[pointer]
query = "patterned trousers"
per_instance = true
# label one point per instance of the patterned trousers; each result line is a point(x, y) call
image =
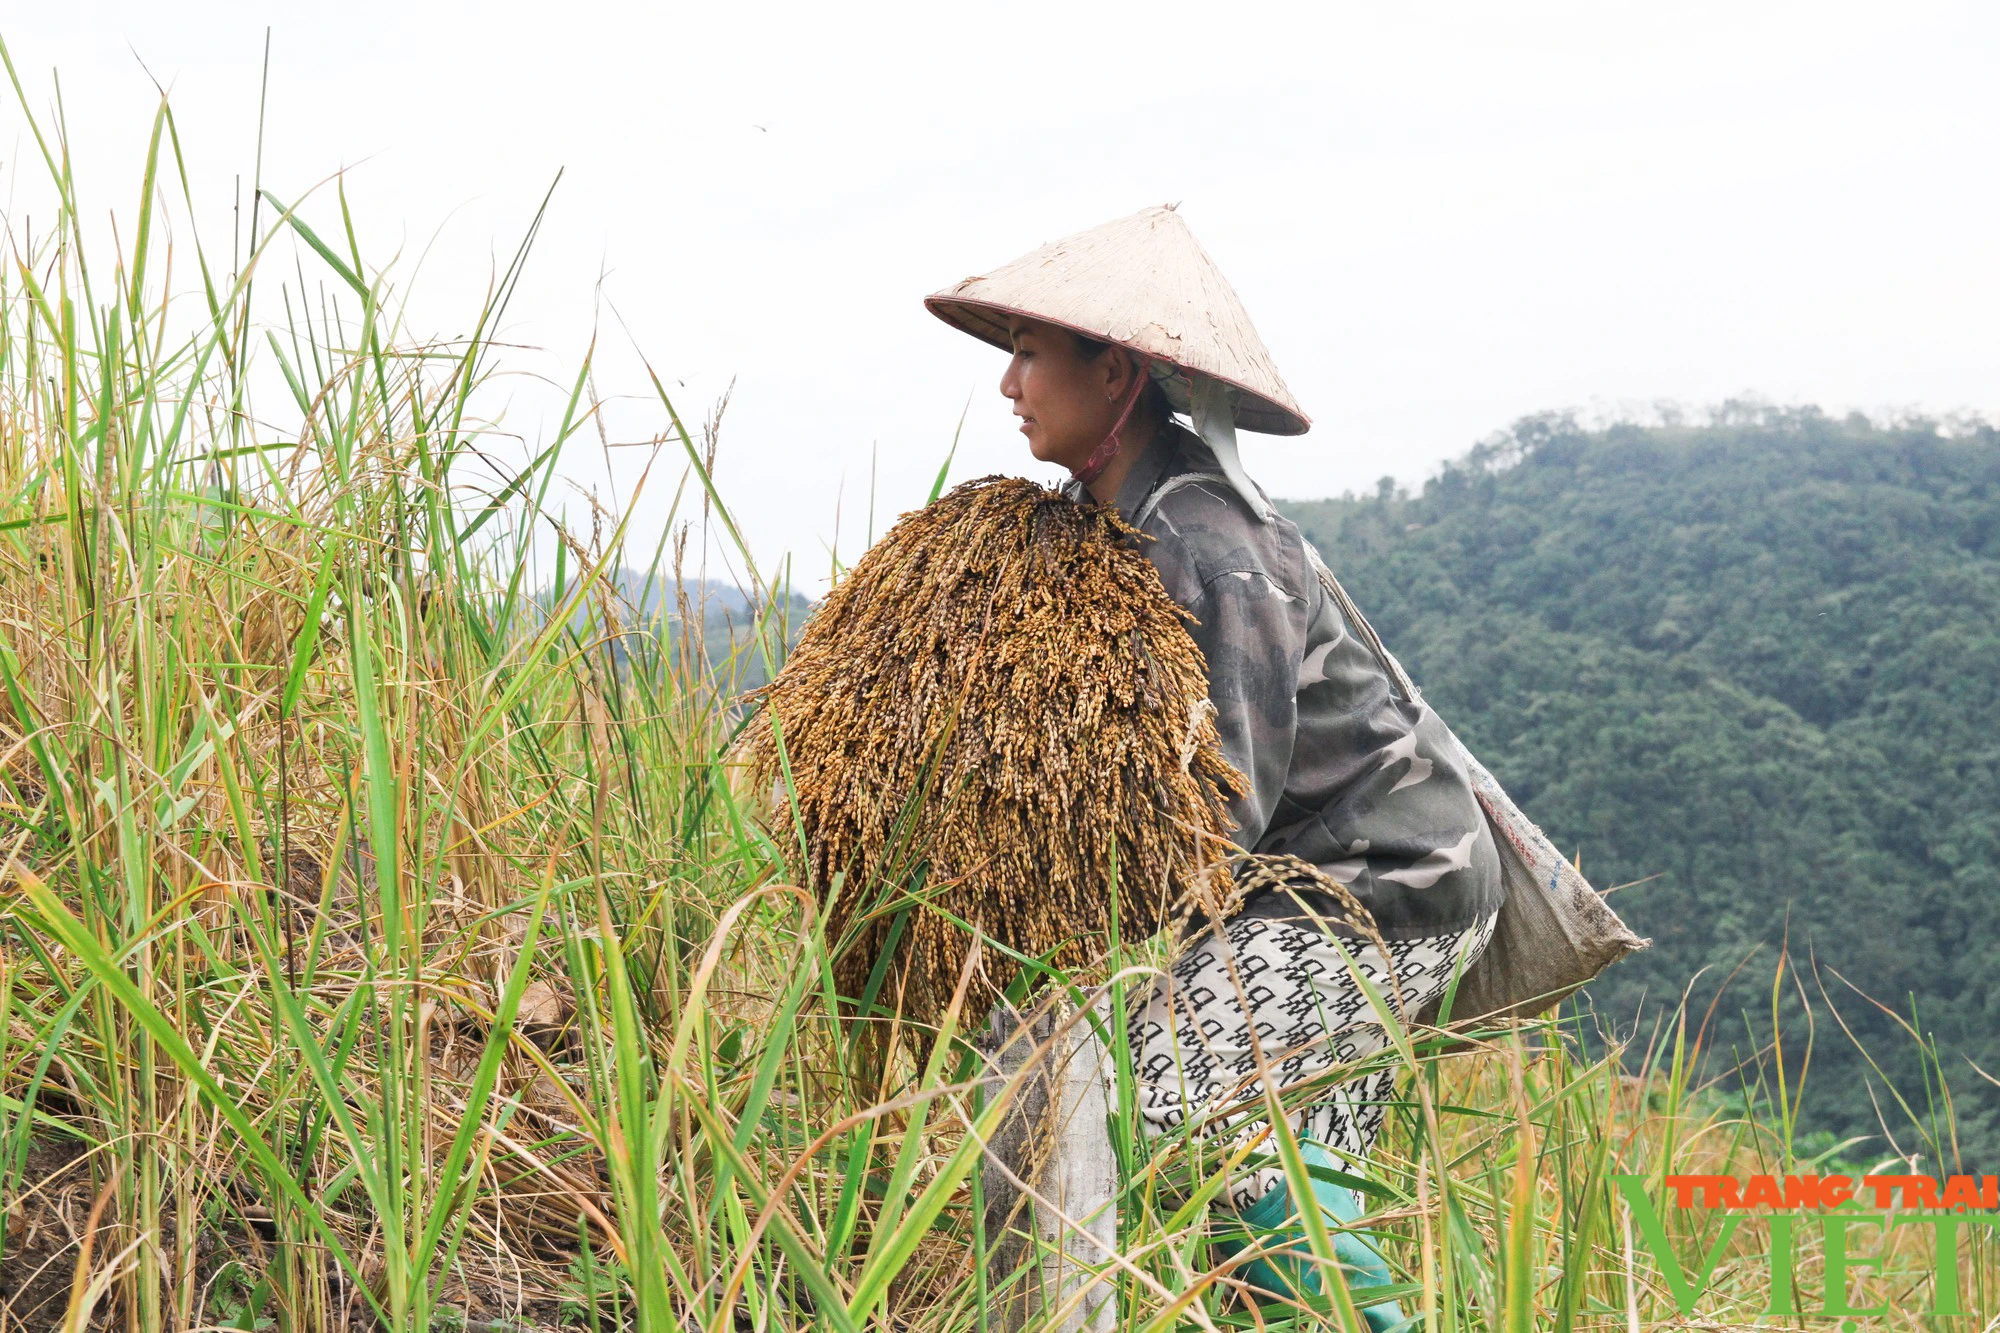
point(1282, 988)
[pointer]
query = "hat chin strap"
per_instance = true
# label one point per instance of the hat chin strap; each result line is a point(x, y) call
point(1215, 421)
point(1100, 457)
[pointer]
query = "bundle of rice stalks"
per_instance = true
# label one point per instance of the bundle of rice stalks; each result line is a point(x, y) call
point(997, 705)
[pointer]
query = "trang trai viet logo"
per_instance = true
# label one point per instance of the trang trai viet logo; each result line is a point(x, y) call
point(1834, 1207)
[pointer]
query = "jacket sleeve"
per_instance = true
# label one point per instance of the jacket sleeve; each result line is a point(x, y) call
point(1341, 770)
point(1252, 634)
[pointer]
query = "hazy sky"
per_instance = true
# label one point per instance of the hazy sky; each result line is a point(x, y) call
point(1441, 216)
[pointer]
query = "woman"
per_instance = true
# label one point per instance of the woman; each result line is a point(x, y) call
point(1111, 332)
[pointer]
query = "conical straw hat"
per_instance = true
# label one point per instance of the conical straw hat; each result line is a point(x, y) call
point(1145, 283)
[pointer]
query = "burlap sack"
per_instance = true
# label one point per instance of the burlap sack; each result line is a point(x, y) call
point(1555, 932)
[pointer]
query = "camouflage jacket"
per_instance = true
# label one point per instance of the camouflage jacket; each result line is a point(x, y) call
point(1341, 771)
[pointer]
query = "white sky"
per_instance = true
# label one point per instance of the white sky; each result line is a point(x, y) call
point(1441, 216)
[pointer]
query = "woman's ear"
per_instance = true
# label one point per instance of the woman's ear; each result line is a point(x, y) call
point(1118, 370)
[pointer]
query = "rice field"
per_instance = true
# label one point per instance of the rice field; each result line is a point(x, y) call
point(383, 944)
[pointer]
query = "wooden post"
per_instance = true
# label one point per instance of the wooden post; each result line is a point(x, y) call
point(1043, 1271)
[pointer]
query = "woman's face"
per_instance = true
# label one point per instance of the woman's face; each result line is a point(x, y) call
point(1067, 402)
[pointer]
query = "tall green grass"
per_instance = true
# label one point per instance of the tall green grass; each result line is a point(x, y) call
point(383, 945)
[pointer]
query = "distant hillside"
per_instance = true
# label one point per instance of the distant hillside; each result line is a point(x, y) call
point(725, 617)
point(1755, 664)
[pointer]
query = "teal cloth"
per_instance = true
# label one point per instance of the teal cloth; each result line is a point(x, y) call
point(1291, 1272)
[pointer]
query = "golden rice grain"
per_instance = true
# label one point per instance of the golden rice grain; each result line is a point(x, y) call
point(1003, 682)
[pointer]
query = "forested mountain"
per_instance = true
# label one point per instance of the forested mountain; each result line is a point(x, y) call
point(720, 618)
point(1755, 664)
